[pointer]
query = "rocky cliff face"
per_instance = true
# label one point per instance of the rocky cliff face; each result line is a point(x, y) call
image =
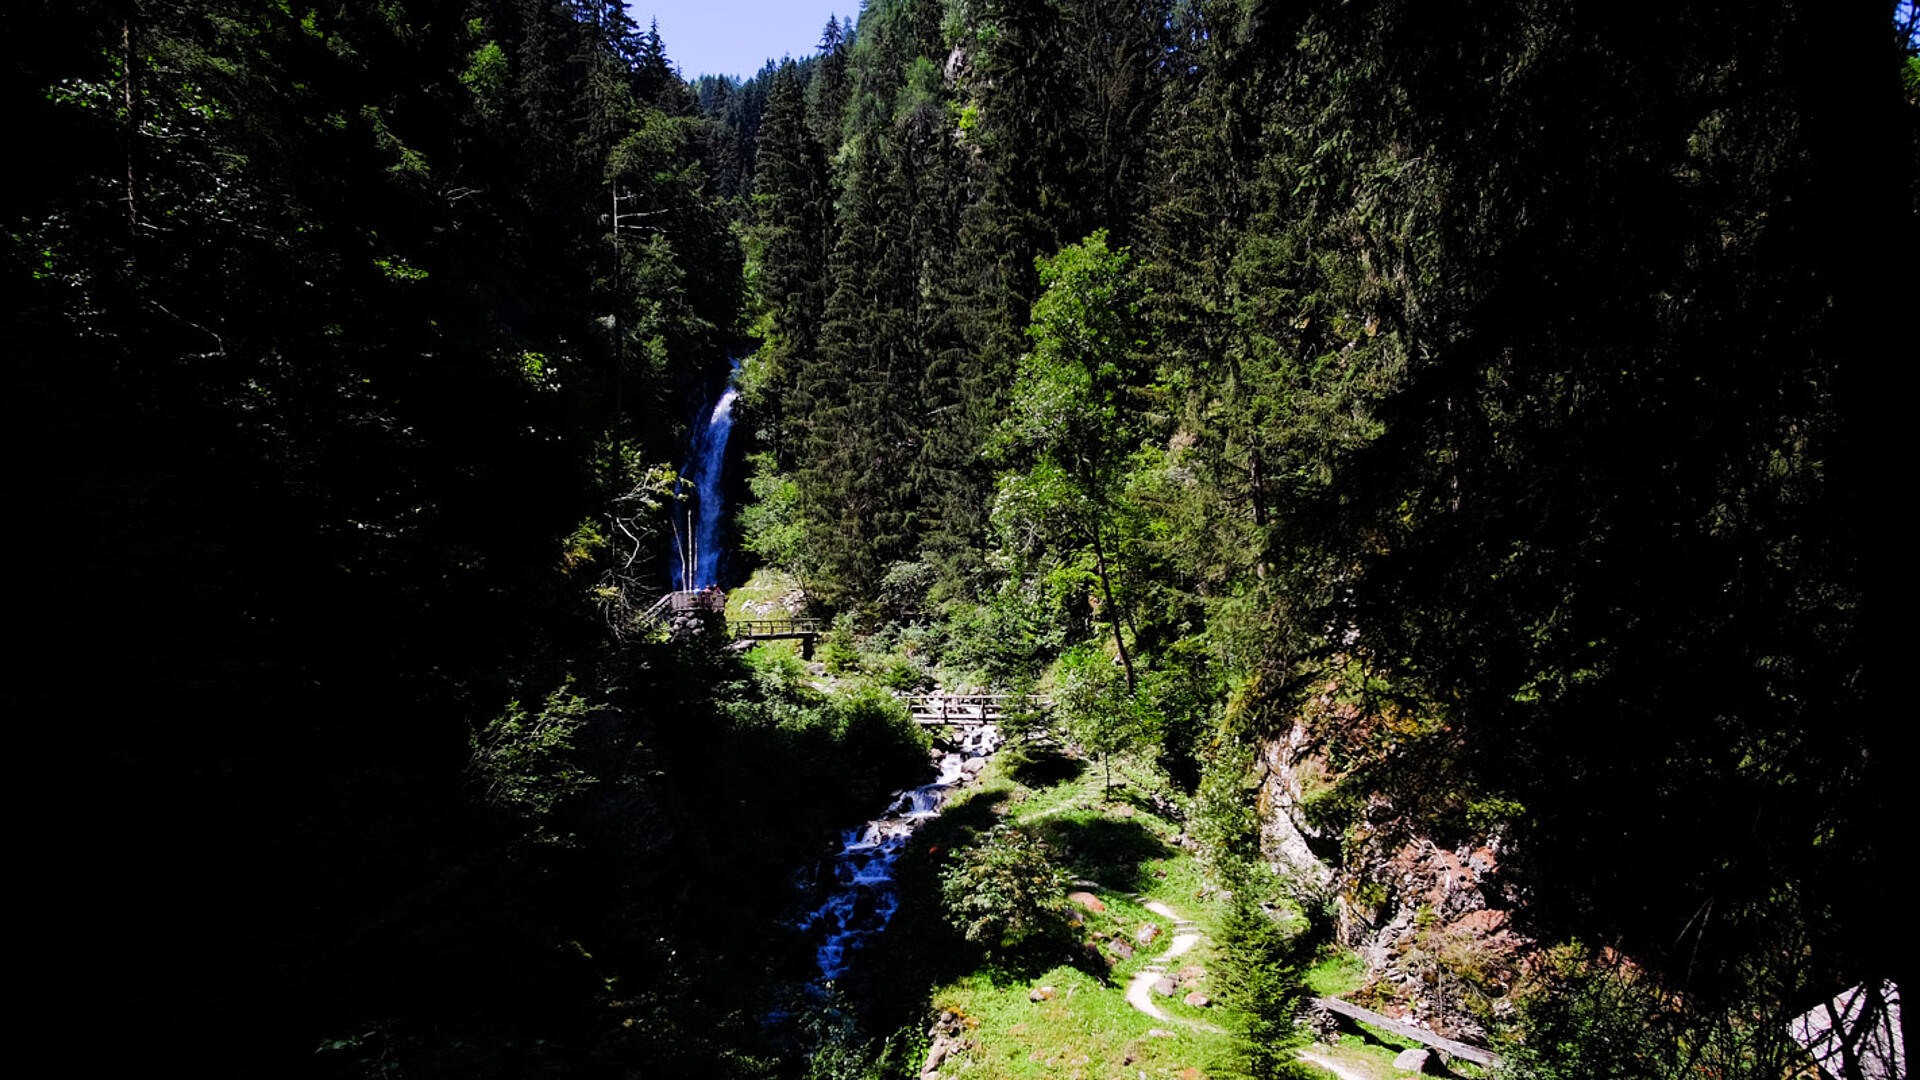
point(1287, 838)
point(1432, 922)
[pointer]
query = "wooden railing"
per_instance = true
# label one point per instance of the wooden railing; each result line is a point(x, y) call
point(969, 708)
point(774, 628)
point(684, 601)
point(701, 600)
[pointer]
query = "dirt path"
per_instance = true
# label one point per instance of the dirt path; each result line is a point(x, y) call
point(1337, 1068)
point(1186, 934)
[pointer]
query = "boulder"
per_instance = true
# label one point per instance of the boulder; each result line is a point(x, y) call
point(1147, 933)
point(1198, 1000)
point(1121, 949)
point(1087, 900)
point(1043, 993)
point(936, 1054)
point(1412, 1060)
point(1163, 986)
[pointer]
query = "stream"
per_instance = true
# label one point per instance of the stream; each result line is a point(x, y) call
point(861, 895)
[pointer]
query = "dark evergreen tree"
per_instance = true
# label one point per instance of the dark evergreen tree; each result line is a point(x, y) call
point(793, 232)
point(827, 95)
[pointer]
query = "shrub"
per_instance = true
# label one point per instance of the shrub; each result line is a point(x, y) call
point(524, 759)
point(837, 645)
point(877, 741)
point(1006, 891)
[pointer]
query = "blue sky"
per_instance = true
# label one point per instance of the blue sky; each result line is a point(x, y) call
point(735, 37)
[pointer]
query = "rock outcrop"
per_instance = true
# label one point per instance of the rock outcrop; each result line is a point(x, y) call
point(1430, 921)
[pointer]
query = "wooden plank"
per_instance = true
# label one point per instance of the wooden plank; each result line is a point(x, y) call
point(1405, 1030)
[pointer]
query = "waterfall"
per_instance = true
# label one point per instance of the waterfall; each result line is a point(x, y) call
point(704, 470)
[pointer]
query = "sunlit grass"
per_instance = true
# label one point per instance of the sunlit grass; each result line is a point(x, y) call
point(1087, 1028)
point(1339, 973)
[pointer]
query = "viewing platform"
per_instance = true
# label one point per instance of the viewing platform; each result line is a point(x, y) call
point(744, 632)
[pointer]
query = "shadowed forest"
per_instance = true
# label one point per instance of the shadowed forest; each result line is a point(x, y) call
point(1477, 412)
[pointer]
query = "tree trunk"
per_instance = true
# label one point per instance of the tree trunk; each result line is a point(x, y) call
point(133, 119)
point(1113, 610)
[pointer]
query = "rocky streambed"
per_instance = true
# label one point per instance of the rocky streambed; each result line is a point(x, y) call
point(860, 896)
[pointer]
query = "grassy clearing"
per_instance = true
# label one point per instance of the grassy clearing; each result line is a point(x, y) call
point(1340, 972)
point(1087, 1029)
point(759, 597)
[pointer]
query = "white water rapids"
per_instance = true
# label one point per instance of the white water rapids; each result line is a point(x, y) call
point(862, 897)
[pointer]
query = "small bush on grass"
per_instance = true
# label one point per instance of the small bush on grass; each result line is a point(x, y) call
point(1006, 893)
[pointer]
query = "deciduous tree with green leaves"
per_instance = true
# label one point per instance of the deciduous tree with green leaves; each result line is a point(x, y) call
point(1074, 421)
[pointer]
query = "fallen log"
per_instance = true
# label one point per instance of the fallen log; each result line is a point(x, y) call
point(1405, 1030)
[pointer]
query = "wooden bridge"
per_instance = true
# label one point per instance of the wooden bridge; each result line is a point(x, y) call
point(969, 709)
point(745, 632)
point(784, 628)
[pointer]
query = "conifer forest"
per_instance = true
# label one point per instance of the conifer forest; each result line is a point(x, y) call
point(512, 532)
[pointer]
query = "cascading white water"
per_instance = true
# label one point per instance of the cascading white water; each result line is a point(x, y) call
point(862, 897)
point(705, 468)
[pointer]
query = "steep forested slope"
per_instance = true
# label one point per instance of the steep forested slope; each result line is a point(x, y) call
point(314, 343)
point(1480, 400)
point(1504, 370)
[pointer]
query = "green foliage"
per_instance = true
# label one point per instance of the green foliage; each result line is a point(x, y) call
point(1075, 423)
point(1006, 893)
point(1261, 977)
point(1073, 414)
point(523, 759)
point(879, 742)
point(1101, 715)
point(487, 77)
point(904, 588)
point(1226, 822)
point(837, 649)
point(1614, 1023)
point(770, 525)
point(1012, 632)
point(583, 546)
